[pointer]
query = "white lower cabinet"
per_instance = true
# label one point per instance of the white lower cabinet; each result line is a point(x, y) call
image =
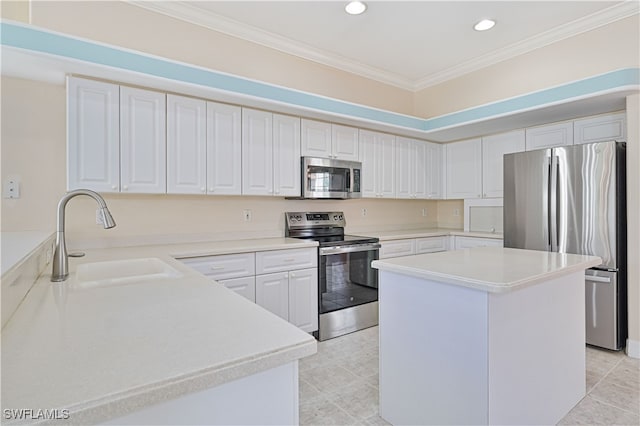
point(470, 242)
point(397, 248)
point(245, 287)
point(432, 244)
point(292, 296)
point(284, 282)
point(272, 293)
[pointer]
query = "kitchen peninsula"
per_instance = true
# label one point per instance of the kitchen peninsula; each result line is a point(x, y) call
point(485, 335)
point(134, 336)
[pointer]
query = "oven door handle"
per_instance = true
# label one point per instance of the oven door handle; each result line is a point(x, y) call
point(327, 251)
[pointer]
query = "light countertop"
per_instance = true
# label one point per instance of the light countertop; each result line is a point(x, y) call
point(491, 269)
point(17, 245)
point(425, 233)
point(106, 351)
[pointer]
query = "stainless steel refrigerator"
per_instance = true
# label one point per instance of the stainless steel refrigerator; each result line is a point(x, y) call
point(573, 200)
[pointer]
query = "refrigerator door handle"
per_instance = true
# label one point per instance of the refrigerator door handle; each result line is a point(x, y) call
point(598, 279)
point(553, 203)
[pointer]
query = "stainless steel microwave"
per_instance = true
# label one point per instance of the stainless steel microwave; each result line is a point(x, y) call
point(324, 178)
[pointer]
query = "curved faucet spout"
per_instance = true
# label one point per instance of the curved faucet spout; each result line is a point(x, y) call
point(60, 256)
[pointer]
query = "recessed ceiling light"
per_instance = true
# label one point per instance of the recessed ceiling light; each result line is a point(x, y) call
point(485, 24)
point(355, 7)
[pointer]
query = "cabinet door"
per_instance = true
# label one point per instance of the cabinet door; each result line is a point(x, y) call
point(434, 170)
point(344, 142)
point(257, 152)
point(405, 168)
point(386, 160)
point(286, 155)
point(397, 248)
point(601, 128)
point(464, 169)
point(93, 155)
point(493, 149)
point(272, 293)
point(186, 145)
point(470, 242)
point(549, 136)
point(419, 170)
point(142, 141)
point(316, 139)
point(224, 149)
point(431, 244)
point(245, 287)
point(303, 299)
point(367, 151)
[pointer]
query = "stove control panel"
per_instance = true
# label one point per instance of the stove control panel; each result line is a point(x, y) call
point(297, 220)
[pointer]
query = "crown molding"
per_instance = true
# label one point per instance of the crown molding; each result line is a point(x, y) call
point(213, 21)
point(579, 26)
point(195, 15)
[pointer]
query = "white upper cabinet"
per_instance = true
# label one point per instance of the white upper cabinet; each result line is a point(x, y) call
point(549, 136)
point(142, 141)
point(411, 168)
point(270, 154)
point(418, 169)
point(377, 154)
point(600, 128)
point(326, 140)
point(434, 170)
point(93, 153)
point(493, 149)
point(344, 142)
point(464, 169)
point(286, 155)
point(186, 145)
point(257, 152)
point(316, 139)
point(224, 149)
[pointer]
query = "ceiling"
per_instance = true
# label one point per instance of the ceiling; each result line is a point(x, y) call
point(412, 44)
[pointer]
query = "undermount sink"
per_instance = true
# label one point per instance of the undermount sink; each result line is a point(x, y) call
point(118, 272)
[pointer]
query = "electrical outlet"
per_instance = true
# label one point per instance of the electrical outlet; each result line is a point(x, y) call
point(456, 212)
point(246, 214)
point(424, 212)
point(11, 188)
point(364, 212)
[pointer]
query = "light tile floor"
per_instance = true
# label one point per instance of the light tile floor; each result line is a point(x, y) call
point(339, 385)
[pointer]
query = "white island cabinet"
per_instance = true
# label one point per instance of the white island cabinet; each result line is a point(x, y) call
point(485, 335)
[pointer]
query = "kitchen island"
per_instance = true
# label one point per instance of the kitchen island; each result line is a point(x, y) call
point(485, 335)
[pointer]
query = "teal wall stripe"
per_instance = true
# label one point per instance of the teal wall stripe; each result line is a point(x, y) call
point(29, 38)
point(612, 80)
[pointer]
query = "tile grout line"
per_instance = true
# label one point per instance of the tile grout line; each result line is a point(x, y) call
point(612, 406)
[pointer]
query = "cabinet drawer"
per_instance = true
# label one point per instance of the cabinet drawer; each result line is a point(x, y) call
point(224, 266)
point(245, 286)
point(285, 260)
point(397, 248)
point(470, 242)
point(431, 244)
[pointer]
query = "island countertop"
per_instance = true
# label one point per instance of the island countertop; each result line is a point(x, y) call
point(101, 352)
point(491, 269)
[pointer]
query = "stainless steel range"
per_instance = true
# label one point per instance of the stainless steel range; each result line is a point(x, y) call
point(347, 285)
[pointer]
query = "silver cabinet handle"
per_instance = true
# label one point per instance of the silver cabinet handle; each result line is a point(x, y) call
point(216, 268)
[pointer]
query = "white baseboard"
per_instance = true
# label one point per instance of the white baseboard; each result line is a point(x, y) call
point(633, 348)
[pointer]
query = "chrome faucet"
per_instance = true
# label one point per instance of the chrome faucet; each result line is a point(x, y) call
point(60, 256)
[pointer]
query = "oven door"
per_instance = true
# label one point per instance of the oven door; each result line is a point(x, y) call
point(346, 278)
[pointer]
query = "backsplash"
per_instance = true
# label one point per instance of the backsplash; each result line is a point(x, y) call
point(156, 219)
